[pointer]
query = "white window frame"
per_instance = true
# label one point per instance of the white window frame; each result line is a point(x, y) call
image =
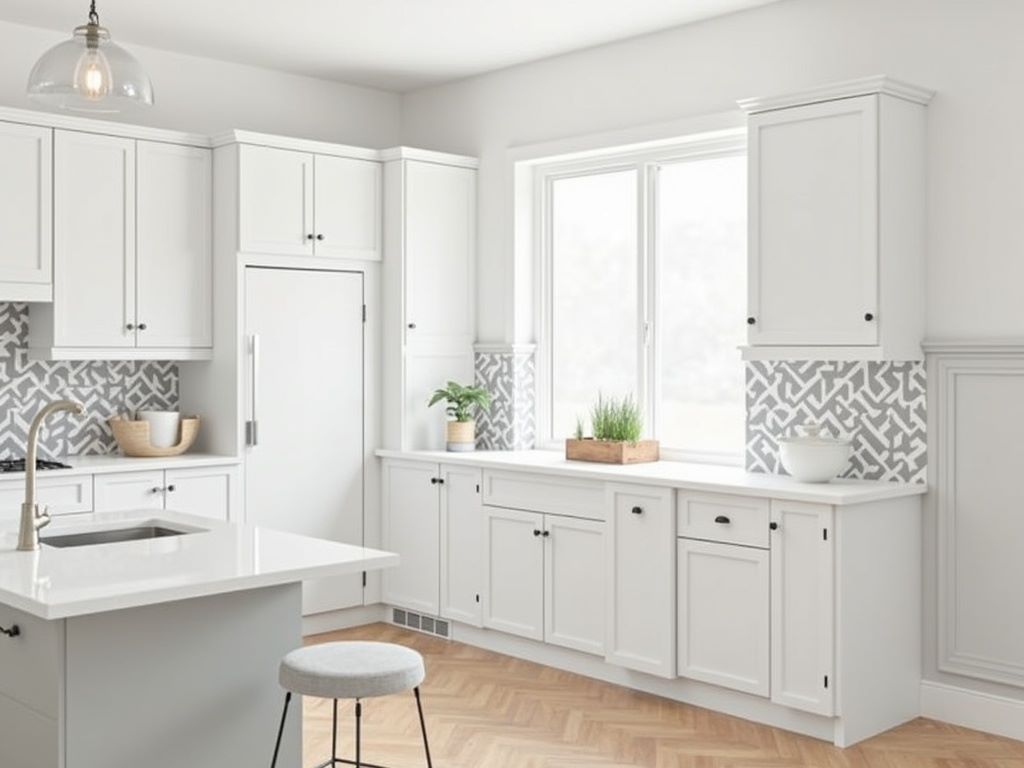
point(646, 164)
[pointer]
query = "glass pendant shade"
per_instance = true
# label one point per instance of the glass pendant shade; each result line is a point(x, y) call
point(90, 73)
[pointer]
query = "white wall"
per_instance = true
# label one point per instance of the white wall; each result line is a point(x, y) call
point(969, 52)
point(208, 96)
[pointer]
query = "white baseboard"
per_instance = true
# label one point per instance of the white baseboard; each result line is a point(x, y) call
point(318, 623)
point(973, 709)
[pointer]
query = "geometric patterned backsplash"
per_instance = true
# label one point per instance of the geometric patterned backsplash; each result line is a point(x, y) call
point(105, 388)
point(510, 376)
point(880, 404)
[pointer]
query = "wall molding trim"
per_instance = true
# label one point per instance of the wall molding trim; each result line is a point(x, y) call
point(982, 346)
point(844, 89)
point(973, 709)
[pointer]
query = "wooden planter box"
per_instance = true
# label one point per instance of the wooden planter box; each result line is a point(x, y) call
point(610, 452)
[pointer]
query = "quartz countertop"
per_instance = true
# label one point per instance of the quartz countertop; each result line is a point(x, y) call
point(103, 464)
point(56, 583)
point(676, 474)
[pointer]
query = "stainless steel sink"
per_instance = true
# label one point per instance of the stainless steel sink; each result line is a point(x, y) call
point(111, 536)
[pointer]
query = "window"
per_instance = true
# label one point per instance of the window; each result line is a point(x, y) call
point(643, 285)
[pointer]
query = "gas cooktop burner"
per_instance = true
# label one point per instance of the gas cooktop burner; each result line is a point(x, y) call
point(18, 465)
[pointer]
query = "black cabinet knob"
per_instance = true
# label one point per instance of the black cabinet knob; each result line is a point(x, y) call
point(440, 481)
point(411, 326)
point(156, 490)
point(433, 481)
point(536, 532)
point(319, 237)
point(751, 320)
point(773, 526)
point(637, 510)
point(130, 326)
point(14, 631)
point(142, 326)
point(546, 534)
point(723, 520)
point(171, 488)
point(868, 316)
point(309, 236)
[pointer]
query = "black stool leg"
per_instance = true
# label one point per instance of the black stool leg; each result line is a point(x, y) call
point(423, 726)
point(280, 730)
point(334, 735)
point(359, 742)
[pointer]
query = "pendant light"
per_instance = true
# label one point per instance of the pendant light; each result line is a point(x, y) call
point(90, 73)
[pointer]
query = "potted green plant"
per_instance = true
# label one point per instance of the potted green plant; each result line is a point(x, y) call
point(462, 403)
point(618, 427)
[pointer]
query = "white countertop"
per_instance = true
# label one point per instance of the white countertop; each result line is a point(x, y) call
point(56, 583)
point(99, 465)
point(675, 474)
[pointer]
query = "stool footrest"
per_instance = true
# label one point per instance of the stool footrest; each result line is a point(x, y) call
point(343, 761)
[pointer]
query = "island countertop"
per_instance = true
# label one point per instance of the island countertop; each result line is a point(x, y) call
point(213, 558)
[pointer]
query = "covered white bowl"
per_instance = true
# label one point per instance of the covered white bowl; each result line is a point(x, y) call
point(813, 455)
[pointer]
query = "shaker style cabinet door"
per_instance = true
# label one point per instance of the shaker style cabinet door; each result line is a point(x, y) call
point(802, 607)
point(513, 599)
point(411, 529)
point(462, 544)
point(574, 590)
point(347, 208)
point(813, 224)
point(174, 251)
point(94, 240)
point(204, 491)
point(121, 491)
point(275, 201)
point(26, 209)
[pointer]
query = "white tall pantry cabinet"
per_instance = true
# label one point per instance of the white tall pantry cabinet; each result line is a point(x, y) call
point(429, 287)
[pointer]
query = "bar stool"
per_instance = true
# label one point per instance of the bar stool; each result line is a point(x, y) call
point(351, 670)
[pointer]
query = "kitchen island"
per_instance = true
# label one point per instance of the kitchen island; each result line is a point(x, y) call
point(159, 651)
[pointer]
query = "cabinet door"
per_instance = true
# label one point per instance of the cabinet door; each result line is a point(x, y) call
point(574, 573)
point(26, 188)
point(204, 491)
point(94, 240)
point(174, 246)
point(462, 544)
point(813, 226)
point(802, 607)
point(412, 530)
point(513, 599)
point(723, 627)
point(440, 240)
point(66, 495)
point(347, 208)
point(275, 201)
point(118, 491)
point(640, 562)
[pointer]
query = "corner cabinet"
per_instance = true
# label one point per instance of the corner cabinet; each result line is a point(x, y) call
point(132, 251)
point(837, 223)
point(429, 288)
point(26, 212)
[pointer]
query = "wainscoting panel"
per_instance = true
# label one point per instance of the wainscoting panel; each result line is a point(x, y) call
point(977, 423)
point(105, 388)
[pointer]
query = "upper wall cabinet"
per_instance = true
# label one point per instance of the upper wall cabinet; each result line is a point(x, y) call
point(26, 189)
point(837, 223)
point(132, 252)
point(297, 203)
point(430, 246)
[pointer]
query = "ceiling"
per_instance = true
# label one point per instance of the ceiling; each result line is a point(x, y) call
point(398, 45)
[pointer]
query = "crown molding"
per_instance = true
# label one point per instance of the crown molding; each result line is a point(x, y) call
point(298, 145)
point(842, 90)
point(67, 122)
point(428, 156)
point(989, 347)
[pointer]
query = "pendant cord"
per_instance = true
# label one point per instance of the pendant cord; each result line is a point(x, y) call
point(94, 17)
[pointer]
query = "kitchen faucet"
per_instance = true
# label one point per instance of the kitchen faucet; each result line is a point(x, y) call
point(31, 518)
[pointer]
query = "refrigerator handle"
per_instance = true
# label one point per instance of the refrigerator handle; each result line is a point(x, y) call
point(252, 426)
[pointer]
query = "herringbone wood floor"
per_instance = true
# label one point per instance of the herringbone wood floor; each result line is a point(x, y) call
point(485, 710)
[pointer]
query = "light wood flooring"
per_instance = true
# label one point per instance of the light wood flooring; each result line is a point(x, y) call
point(486, 710)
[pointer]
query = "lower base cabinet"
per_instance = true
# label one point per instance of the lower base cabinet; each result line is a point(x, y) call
point(411, 528)
point(462, 545)
point(204, 491)
point(723, 630)
point(513, 598)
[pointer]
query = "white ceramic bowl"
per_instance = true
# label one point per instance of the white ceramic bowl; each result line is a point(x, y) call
point(164, 427)
point(813, 457)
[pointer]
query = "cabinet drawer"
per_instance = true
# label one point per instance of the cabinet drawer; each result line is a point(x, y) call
point(63, 495)
point(31, 664)
point(120, 491)
point(720, 517)
point(544, 493)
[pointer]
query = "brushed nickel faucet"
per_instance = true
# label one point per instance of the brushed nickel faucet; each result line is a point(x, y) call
point(32, 519)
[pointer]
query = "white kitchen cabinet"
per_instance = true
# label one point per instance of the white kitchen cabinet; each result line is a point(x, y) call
point(513, 599)
point(640, 573)
point(204, 491)
point(837, 223)
point(428, 279)
point(174, 267)
point(802, 606)
point(62, 495)
point(723, 617)
point(411, 529)
point(132, 252)
point(462, 545)
point(26, 211)
point(296, 203)
point(574, 583)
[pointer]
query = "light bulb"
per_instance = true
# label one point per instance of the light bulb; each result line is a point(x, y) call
point(92, 75)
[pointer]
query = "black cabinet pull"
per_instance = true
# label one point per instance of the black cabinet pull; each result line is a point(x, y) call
point(440, 481)
point(171, 488)
point(723, 520)
point(433, 481)
point(536, 532)
point(546, 534)
point(319, 237)
point(637, 510)
point(868, 316)
point(411, 326)
point(309, 236)
point(130, 326)
point(751, 320)
point(773, 526)
point(142, 326)
point(14, 631)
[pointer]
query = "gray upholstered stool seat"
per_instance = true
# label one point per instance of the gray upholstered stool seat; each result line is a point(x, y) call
point(351, 670)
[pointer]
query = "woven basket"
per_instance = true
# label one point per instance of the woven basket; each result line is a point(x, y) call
point(133, 437)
